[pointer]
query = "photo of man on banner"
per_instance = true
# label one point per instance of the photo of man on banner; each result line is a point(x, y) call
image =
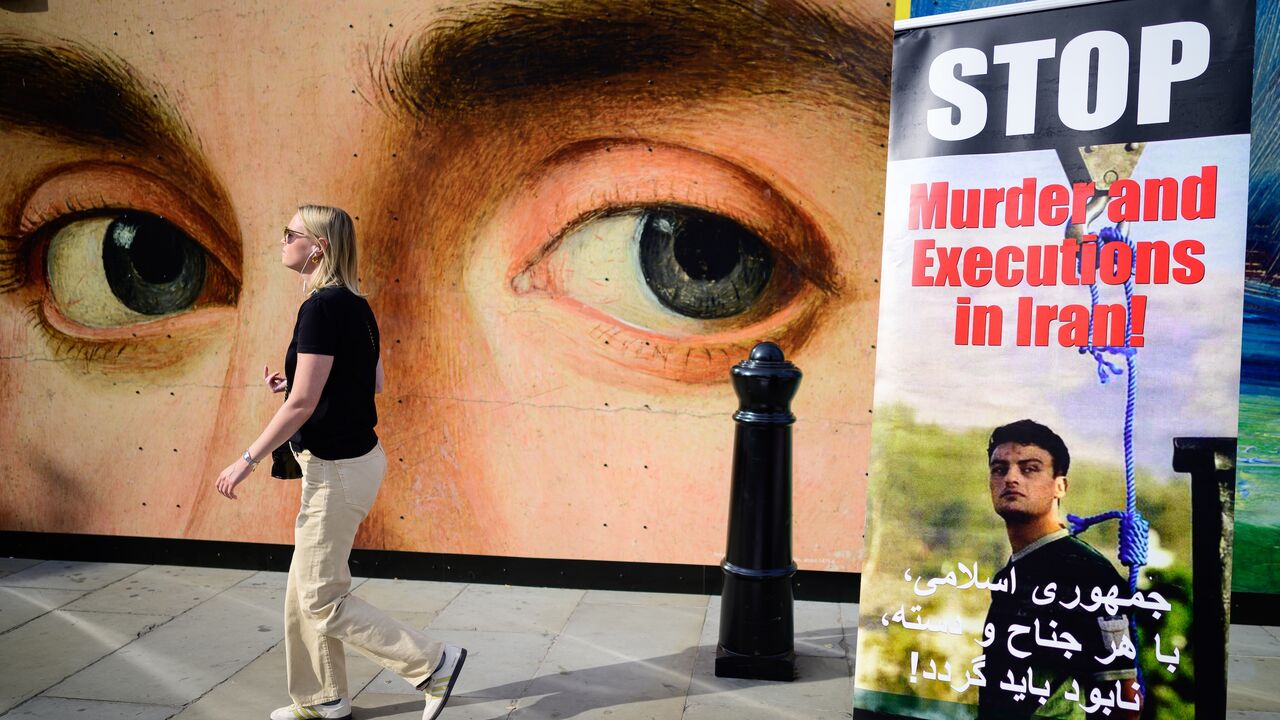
point(1028, 480)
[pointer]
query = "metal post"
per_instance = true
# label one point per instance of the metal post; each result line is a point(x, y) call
point(757, 629)
point(1212, 464)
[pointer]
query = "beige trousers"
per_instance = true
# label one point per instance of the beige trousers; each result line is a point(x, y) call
point(320, 613)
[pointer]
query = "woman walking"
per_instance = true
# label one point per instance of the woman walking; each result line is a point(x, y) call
point(332, 370)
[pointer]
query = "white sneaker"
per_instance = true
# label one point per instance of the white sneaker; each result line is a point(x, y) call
point(440, 684)
point(340, 710)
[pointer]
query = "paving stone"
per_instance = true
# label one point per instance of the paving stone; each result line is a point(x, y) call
point(59, 643)
point(597, 706)
point(385, 706)
point(20, 605)
point(53, 708)
point(509, 609)
point(9, 566)
point(266, 580)
point(410, 595)
point(849, 617)
point(64, 575)
point(619, 661)
point(1252, 641)
point(1251, 683)
point(761, 712)
point(597, 634)
point(499, 665)
point(183, 659)
point(1246, 715)
point(260, 687)
point(818, 630)
point(618, 597)
point(822, 684)
point(161, 590)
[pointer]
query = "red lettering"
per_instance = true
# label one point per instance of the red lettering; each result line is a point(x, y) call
point(1152, 262)
point(991, 199)
point(1020, 205)
point(1025, 308)
point(920, 262)
point(1115, 263)
point(1081, 194)
point(1007, 276)
point(1161, 192)
point(927, 206)
point(1108, 325)
point(1075, 326)
point(977, 266)
point(1192, 270)
point(966, 206)
point(962, 321)
point(1200, 194)
point(1126, 201)
point(1053, 205)
point(948, 266)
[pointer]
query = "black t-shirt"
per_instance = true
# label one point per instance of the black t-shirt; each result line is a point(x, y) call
point(1049, 614)
point(335, 321)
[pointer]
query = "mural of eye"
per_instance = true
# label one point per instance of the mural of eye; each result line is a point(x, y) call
point(659, 260)
point(672, 270)
point(122, 269)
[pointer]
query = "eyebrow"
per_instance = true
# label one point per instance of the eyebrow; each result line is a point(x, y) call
point(518, 51)
point(85, 96)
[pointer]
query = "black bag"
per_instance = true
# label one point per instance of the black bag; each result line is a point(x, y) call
point(284, 466)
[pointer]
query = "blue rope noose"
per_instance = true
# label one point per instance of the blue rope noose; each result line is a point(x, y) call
point(1133, 535)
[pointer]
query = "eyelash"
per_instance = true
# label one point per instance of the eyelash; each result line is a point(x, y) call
point(36, 221)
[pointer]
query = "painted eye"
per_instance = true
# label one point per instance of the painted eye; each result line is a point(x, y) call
point(661, 260)
point(124, 269)
point(674, 270)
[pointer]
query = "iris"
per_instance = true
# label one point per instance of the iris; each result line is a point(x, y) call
point(151, 266)
point(701, 264)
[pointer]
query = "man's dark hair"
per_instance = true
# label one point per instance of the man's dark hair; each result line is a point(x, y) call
point(1030, 432)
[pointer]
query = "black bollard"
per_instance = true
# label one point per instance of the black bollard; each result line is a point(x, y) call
point(757, 628)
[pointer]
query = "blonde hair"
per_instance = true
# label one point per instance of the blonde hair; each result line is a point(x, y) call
point(338, 261)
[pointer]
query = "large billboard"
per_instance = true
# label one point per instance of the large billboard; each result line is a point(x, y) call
point(573, 217)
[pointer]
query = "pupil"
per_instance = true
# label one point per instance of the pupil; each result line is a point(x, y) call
point(157, 259)
point(151, 266)
point(706, 250)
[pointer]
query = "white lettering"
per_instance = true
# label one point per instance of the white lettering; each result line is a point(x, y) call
point(1112, 81)
point(1023, 60)
point(1159, 72)
point(970, 111)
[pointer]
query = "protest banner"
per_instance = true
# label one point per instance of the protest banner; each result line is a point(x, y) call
point(1062, 288)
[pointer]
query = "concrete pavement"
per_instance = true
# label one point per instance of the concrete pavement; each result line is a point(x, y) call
point(111, 641)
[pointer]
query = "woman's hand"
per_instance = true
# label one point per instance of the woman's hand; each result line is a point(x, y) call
point(274, 380)
point(234, 474)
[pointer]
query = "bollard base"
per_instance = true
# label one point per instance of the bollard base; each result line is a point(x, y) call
point(755, 667)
